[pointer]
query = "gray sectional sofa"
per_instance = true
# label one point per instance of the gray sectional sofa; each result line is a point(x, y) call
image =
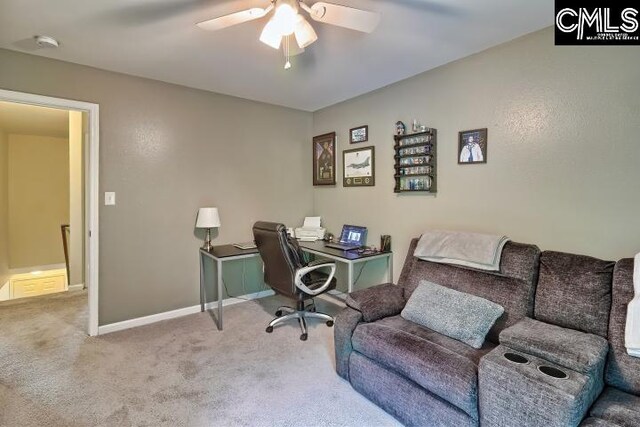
point(552, 354)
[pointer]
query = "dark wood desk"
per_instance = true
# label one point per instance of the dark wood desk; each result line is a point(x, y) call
point(350, 258)
point(223, 253)
point(219, 254)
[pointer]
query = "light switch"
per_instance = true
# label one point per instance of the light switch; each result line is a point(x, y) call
point(109, 198)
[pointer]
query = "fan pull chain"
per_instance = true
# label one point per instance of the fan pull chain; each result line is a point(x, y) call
point(287, 64)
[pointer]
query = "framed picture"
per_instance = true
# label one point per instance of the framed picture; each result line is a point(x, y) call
point(360, 134)
point(472, 146)
point(324, 159)
point(359, 167)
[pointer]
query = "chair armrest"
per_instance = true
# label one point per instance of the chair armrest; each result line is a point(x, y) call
point(301, 272)
point(579, 351)
point(378, 301)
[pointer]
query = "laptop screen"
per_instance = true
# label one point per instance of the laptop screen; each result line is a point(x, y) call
point(353, 235)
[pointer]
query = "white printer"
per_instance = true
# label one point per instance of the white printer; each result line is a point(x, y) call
point(310, 230)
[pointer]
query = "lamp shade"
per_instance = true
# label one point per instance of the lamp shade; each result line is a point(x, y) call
point(208, 218)
point(304, 32)
point(271, 35)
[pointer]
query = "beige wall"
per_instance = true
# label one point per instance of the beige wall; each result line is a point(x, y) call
point(167, 150)
point(562, 160)
point(562, 167)
point(76, 199)
point(4, 213)
point(38, 199)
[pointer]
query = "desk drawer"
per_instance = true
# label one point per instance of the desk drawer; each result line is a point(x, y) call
point(21, 288)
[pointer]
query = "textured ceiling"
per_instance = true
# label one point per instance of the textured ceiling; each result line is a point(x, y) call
point(32, 120)
point(158, 39)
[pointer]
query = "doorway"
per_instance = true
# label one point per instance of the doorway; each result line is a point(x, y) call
point(50, 152)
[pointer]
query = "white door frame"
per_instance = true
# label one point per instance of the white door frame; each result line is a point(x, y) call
point(91, 188)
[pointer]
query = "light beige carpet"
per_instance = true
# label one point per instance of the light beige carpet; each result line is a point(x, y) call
point(181, 372)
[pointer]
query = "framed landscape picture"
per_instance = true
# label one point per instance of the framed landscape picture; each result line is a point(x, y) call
point(359, 134)
point(324, 159)
point(472, 146)
point(359, 167)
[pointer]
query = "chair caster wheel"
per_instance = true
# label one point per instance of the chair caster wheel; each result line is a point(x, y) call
point(278, 313)
point(329, 323)
point(303, 337)
point(269, 329)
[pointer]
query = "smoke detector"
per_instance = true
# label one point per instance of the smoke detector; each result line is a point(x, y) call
point(46, 42)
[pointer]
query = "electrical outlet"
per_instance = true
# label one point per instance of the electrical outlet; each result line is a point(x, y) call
point(109, 198)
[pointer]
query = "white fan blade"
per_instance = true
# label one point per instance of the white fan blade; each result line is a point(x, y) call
point(234, 19)
point(344, 16)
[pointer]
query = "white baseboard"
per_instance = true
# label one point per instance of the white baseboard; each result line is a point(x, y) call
point(147, 320)
point(338, 294)
point(243, 298)
point(77, 287)
point(47, 267)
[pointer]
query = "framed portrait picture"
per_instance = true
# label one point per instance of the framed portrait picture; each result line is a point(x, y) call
point(472, 146)
point(359, 167)
point(324, 159)
point(359, 134)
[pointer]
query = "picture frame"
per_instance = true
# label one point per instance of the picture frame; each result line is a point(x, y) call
point(324, 159)
point(472, 146)
point(359, 134)
point(358, 167)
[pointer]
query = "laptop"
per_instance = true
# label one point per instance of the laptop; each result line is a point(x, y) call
point(352, 237)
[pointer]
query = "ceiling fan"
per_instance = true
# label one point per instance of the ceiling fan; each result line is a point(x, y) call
point(287, 21)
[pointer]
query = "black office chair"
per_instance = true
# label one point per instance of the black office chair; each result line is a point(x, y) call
point(287, 274)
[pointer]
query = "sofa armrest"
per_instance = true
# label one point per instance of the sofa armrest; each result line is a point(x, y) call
point(378, 301)
point(520, 389)
point(579, 351)
point(345, 323)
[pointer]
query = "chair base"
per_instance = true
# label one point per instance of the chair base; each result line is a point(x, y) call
point(301, 315)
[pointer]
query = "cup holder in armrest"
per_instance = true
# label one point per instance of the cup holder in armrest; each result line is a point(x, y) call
point(553, 372)
point(516, 358)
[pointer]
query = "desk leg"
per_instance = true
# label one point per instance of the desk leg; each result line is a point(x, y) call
point(390, 268)
point(202, 294)
point(349, 277)
point(220, 294)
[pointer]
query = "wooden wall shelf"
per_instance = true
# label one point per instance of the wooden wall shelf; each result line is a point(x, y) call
point(416, 162)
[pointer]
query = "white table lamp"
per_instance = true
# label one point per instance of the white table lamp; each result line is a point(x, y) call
point(208, 218)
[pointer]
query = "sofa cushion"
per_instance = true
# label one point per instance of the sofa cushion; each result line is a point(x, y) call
point(458, 315)
point(574, 291)
point(623, 371)
point(378, 301)
point(403, 398)
point(579, 351)
point(513, 287)
point(618, 407)
point(446, 367)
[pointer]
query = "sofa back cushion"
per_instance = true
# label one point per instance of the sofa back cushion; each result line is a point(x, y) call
point(513, 287)
point(574, 291)
point(623, 371)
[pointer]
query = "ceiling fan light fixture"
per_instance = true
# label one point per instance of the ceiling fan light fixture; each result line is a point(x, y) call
point(285, 17)
point(271, 35)
point(304, 32)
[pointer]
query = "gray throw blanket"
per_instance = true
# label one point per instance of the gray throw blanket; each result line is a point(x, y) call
point(475, 250)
